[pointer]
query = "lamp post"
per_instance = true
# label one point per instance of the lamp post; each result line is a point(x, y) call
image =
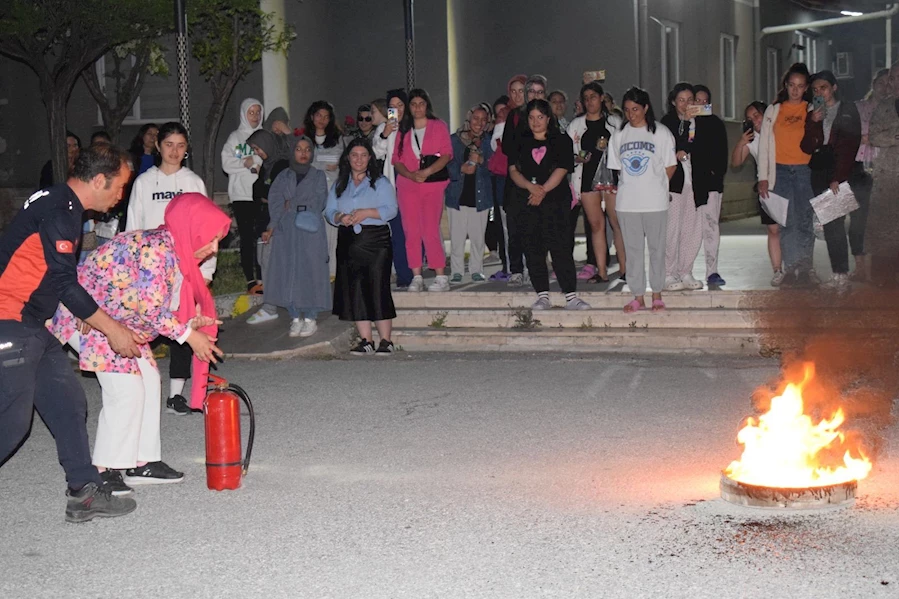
point(183, 68)
point(410, 43)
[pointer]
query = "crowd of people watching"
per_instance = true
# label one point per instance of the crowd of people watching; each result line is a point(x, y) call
point(360, 208)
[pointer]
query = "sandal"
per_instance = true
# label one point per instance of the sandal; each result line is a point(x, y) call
point(500, 276)
point(658, 305)
point(633, 306)
point(597, 279)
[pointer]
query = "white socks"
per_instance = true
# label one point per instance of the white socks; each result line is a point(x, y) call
point(176, 386)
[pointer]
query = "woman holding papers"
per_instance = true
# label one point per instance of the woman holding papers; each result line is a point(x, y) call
point(784, 171)
point(833, 132)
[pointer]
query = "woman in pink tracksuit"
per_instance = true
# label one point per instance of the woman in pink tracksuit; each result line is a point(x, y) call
point(420, 201)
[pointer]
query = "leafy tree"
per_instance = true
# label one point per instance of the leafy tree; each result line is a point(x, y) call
point(58, 39)
point(127, 80)
point(227, 37)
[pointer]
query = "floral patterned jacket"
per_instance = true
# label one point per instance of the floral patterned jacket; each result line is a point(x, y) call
point(133, 277)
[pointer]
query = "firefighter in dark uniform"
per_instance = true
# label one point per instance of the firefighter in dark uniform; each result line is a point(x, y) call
point(38, 259)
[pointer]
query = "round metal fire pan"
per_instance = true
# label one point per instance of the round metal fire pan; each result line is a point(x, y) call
point(810, 498)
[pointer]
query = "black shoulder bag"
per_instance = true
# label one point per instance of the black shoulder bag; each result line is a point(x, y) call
point(427, 160)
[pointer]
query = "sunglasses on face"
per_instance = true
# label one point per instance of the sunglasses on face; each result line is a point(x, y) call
point(367, 119)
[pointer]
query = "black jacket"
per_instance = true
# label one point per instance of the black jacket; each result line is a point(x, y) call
point(708, 155)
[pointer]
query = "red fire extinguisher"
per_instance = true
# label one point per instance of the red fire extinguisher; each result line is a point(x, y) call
point(221, 408)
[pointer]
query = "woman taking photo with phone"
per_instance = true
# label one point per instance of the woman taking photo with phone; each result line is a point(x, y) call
point(784, 170)
point(590, 134)
point(360, 205)
point(423, 149)
point(539, 170)
point(644, 153)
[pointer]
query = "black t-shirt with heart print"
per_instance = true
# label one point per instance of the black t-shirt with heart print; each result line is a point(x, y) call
point(537, 159)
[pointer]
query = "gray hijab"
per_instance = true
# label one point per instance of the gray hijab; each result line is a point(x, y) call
point(301, 169)
point(268, 143)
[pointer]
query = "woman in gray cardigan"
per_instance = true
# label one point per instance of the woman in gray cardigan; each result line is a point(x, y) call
point(297, 274)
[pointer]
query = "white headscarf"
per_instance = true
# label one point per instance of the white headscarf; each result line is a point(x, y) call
point(245, 126)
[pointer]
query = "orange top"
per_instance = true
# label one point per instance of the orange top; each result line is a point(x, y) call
point(788, 131)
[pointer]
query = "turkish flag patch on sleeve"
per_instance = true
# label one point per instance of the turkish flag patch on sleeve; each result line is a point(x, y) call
point(65, 247)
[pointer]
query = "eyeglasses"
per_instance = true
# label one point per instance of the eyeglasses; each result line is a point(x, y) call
point(367, 119)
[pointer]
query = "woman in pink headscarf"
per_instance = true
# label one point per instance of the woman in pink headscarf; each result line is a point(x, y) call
point(150, 280)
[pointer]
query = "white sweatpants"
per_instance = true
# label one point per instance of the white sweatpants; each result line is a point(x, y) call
point(467, 222)
point(710, 214)
point(684, 235)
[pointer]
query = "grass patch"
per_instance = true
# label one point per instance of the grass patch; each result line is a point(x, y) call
point(228, 274)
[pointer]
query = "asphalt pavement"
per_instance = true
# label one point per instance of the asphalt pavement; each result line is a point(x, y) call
point(419, 476)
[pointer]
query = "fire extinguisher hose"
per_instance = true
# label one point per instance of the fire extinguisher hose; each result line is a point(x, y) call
point(246, 399)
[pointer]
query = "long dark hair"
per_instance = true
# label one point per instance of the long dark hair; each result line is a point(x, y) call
point(408, 123)
point(758, 105)
point(683, 86)
point(641, 97)
point(345, 172)
point(546, 110)
point(595, 87)
point(797, 68)
point(332, 133)
point(137, 144)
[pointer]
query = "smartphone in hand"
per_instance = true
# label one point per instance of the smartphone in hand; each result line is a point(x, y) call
point(705, 110)
point(392, 115)
point(817, 102)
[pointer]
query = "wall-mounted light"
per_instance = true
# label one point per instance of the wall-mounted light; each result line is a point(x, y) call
point(851, 13)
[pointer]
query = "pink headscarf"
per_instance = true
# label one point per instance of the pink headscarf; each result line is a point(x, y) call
point(193, 221)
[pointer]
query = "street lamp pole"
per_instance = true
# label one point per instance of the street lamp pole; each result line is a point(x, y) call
point(410, 43)
point(183, 68)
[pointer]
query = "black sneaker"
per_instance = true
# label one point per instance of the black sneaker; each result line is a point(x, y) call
point(112, 481)
point(153, 473)
point(93, 501)
point(385, 348)
point(177, 405)
point(364, 348)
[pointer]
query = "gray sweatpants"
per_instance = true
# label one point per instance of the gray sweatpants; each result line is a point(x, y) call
point(651, 227)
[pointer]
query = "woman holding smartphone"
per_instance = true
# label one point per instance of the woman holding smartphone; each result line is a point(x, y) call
point(422, 152)
point(783, 169)
point(590, 134)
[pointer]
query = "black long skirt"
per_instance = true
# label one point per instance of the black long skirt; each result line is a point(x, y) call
point(362, 286)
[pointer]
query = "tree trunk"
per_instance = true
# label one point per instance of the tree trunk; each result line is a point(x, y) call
point(55, 102)
point(211, 149)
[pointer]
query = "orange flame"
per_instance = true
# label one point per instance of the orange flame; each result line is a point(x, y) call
point(782, 448)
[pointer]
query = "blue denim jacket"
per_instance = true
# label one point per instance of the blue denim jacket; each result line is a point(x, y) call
point(483, 182)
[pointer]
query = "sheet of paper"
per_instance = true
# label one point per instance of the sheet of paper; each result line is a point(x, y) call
point(776, 206)
point(830, 207)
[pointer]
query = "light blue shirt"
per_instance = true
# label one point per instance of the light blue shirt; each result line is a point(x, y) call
point(362, 196)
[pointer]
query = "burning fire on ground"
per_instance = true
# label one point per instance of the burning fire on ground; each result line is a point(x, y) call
point(785, 448)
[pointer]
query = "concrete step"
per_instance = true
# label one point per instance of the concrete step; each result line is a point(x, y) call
point(596, 320)
point(524, 297)
point(712, 341)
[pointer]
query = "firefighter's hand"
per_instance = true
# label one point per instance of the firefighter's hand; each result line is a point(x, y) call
point(203, 346)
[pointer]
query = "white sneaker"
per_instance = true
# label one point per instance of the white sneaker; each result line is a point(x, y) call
point(542, 303)
point(515, 280)
point(441, 283)
point(690, 283)
point(673, 284)
point(839, 283)
point(296, 328)
point(417, 285)
point(577, 304)
point(262, 316)
point(778, 278)
point(309, 328)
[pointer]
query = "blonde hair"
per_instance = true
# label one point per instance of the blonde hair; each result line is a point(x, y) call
point(381, 106)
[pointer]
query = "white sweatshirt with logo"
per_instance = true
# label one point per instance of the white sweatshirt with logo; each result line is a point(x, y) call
point(236, 149)
point(151, 194)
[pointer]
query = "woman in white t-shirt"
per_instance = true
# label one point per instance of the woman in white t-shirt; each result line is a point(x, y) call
point(748, 145)
point(643, 152)
point(150, 196)
point(320, 125)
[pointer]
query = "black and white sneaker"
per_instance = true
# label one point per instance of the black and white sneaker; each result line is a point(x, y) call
point(93, 501)
point(153, 473)
point(385, 348)
point(112, 481)
point(177, 405)
point(364, 348)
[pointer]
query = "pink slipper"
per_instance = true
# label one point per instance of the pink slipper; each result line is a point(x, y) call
point(633, 306)
point(587, 272)
point(658, 305)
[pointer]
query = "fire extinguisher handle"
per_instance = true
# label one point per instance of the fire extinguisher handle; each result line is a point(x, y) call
point(246, 399)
